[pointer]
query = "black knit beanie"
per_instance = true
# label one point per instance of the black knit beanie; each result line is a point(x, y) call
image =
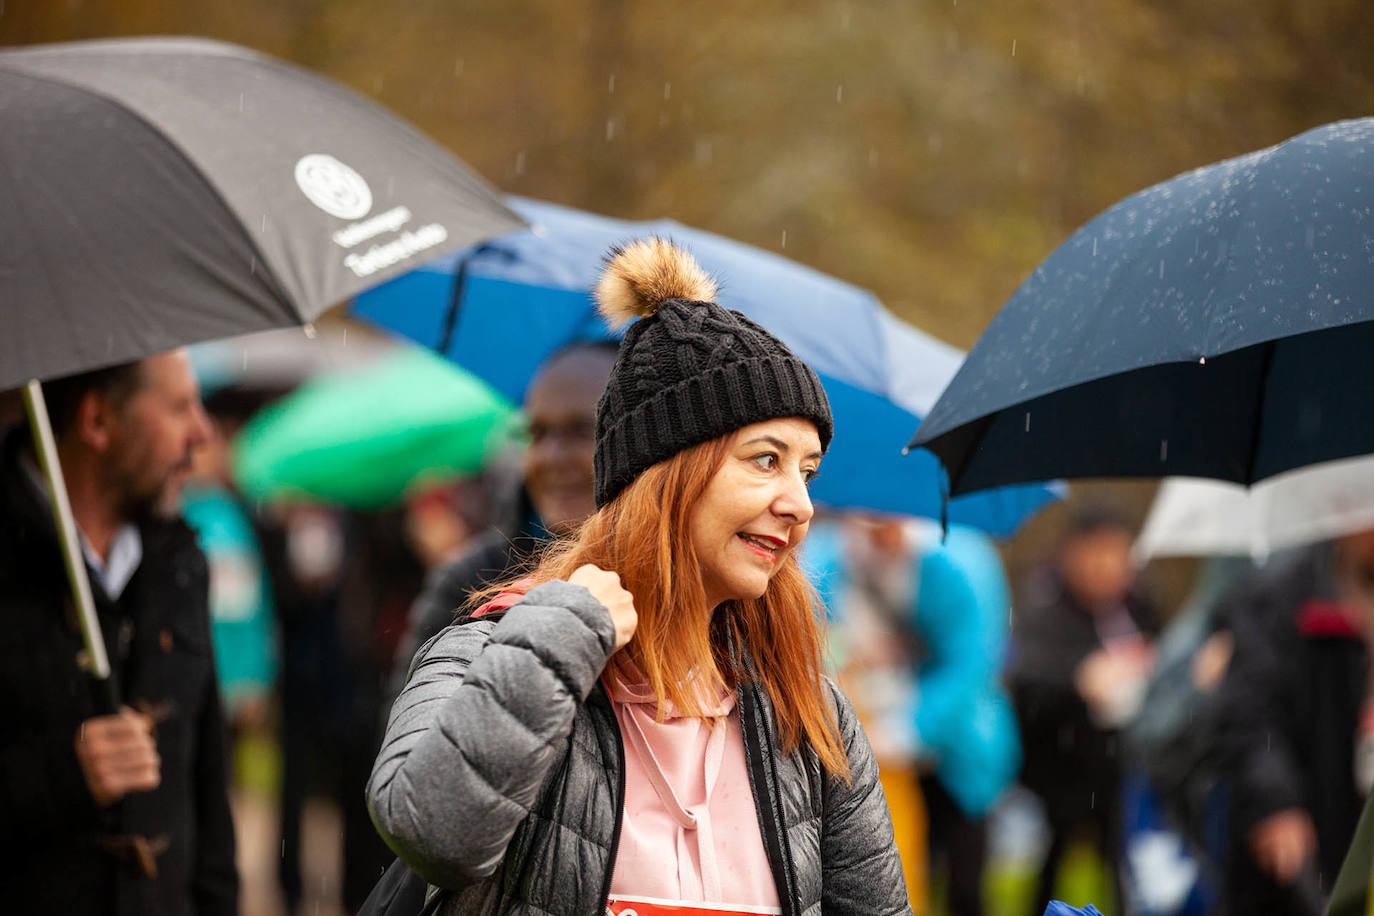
point(688, 371)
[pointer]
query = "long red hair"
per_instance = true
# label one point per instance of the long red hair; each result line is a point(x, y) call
point(643, 535)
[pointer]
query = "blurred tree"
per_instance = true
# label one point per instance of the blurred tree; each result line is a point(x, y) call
point(932, 151)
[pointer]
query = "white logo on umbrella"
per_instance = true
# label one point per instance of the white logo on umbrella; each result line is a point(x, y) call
point(333, 187)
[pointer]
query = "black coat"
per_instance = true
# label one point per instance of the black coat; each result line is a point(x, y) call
point(1072, 763)
point(1288, 711)
point(51, 860)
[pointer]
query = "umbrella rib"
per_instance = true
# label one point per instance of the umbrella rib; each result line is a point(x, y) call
point(1259, 411)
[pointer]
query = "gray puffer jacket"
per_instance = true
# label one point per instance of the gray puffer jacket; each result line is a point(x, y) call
point(501, 776)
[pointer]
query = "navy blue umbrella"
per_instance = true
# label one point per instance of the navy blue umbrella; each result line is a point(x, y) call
point(501, 308)
point(1220, 324)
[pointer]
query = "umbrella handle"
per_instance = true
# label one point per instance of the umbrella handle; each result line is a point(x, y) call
point(95, 659)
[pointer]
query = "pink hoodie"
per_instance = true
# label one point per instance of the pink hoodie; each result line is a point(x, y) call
point(690, 832)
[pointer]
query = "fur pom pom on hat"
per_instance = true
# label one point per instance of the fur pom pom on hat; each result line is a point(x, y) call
point(688, 371)
point(642, 275)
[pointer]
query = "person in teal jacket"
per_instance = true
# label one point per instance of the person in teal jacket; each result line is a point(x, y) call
point(945, 605)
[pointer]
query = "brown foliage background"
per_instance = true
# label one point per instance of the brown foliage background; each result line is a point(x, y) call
point(933, 151)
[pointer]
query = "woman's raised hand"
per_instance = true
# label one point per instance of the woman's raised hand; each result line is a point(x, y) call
point(605, 587)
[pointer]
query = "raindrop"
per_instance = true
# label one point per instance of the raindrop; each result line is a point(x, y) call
point(520, 163)
point(343, 340)
point(667, 91)
point(610, 85)
point(610, 129)
point(873, 157)
point(240, 103)
point(1013, 47)
point(1163, 449)
point(839, 92)
point(784, 238)
point(1094, 247)
point(702, 152)
point(1082, 84)
point(1028, 421)
point(1161, 268)
point(309, 328)
point(1092, 800)
point(253, 266)
point(458, 67)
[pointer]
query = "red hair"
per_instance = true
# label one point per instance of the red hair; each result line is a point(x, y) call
point(644, 536)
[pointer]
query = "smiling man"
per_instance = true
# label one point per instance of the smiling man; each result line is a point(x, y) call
point(124, 813)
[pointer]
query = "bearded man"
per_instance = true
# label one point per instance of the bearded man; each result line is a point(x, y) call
point(125, 812)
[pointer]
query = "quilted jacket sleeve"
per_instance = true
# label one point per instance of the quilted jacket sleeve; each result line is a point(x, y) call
point(485, 714)
point(862, 872)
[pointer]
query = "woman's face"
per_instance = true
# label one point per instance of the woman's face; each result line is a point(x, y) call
point(756, 509)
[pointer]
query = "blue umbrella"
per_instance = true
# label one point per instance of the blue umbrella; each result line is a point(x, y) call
point(501, 308)
point(1220, 324)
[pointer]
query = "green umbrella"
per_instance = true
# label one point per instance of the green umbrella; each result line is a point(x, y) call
point(362, 438)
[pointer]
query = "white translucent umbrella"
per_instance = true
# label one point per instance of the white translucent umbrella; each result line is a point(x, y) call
point(1196, 517)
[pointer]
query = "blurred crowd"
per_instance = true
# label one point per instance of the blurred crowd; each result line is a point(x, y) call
point(1211, 758)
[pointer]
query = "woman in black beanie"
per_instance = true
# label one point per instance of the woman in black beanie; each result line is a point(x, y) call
point(641, 725)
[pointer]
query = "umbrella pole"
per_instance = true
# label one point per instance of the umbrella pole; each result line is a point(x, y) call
point(95, 659)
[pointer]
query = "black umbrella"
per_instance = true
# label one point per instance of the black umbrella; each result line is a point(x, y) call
point(162, 191)
point(1220, 324)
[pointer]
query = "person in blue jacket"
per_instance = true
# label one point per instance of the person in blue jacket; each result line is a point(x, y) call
point(943, 606)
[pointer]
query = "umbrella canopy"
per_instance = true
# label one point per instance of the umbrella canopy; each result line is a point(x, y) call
point(282, 360)
point(362, 438)
point(162, 191)
point(502, 308)
point(1192, 517)
point(1217, 325)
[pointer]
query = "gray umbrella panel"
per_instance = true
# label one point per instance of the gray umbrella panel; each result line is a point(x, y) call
point(192, 189)
point(1170, 334)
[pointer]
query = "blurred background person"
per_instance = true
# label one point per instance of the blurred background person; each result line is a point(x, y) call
point(1081, 649)
point(242, 618)
point(918, 632)
point(112, 812)
point(554, 496)
point(1174, 809)
point(1297, 724)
